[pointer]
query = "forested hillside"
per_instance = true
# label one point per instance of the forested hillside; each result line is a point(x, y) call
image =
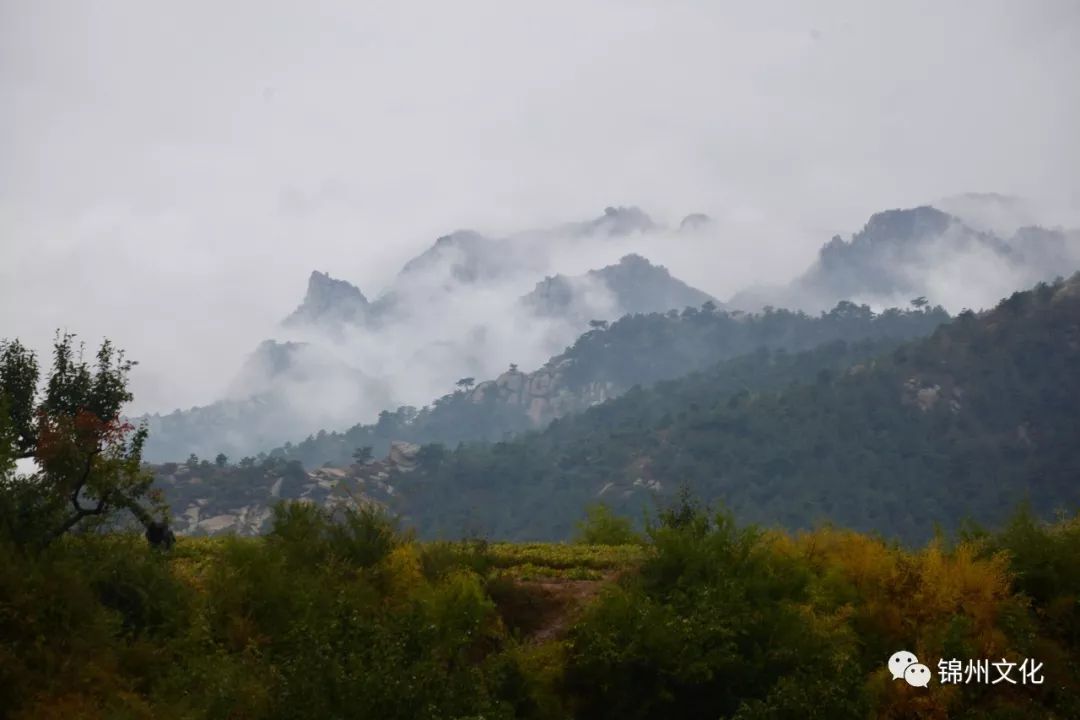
point(606, 362)
point(966, 423)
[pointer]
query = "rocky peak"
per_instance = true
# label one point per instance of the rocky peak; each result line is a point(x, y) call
point(617, 221)
point(464, 255)
point(870, 257)
point(635, 285)
point(634, 263)
point(642, 287)
point(329, 300)
point(901, 226)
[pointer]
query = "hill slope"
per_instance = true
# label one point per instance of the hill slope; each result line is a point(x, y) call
point(604, 363)
point(452, 311)
point(208, 498)
point(967, 422)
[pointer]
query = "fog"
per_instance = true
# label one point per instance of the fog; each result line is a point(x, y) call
point(170, 174)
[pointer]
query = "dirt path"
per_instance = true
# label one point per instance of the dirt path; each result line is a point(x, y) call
point(557, 603)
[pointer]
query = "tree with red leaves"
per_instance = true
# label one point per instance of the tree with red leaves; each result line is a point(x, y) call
point(89, 459)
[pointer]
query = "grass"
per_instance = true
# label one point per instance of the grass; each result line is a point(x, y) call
point(563, 556)
point(192, 556)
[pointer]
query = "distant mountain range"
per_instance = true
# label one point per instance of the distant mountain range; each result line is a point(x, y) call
point(463, 309)
point(966, 423)
point(463, 259)
point(876, 434)
point(902, 254)
point(456, 309)
point(605, 363)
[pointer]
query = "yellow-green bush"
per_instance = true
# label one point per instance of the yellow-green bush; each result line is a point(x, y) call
point(344, 616)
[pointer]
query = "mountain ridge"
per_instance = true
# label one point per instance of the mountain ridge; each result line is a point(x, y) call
point(964, 423)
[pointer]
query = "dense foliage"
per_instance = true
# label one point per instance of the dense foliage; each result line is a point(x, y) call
point(88, 461)
point(967, 422)
point(344, 616)
point(640, 349)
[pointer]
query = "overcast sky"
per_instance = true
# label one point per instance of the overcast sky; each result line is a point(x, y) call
point(171, 172)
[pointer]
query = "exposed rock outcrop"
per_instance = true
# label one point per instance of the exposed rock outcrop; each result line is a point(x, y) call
point(329, 302)
point(208, 500)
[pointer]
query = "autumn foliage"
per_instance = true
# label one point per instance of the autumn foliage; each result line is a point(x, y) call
point(342, 615)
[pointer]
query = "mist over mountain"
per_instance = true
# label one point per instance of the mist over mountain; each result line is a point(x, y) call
point(923, 251)
point(610, 360)
point(632, 286)
point(864, 427)
point(966, 423)
point(466, 306)
point(992, 212)
point(329, 303)
point(605, 363)
point(470, 305)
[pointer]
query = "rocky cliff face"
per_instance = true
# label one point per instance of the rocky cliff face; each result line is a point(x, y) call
point(544, 394)
point(210, 500)
point(328, 303)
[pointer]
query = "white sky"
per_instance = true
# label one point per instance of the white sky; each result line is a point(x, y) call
point(171, 172)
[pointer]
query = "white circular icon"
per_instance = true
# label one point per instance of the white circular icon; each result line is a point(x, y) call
point(917, 675)
point(900, 661)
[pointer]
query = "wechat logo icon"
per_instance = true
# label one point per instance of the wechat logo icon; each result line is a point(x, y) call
point(904, 664)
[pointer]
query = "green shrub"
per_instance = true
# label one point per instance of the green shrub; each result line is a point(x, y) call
point(714, 619)
point(310, 535)
point(601, 526)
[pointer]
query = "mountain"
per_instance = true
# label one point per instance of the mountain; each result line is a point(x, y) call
point(452, 311)
point(903, 254)
point(207, 498)
point(463, 309)
point(634, 285)
point(469, 255)
point(279, 387)
point(329, 303)
point(460, 259)
point(968, 422)
point(604, 363)
point(615, 222)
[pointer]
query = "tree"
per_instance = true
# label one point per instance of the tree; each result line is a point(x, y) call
point(19, 380)
point(513, 367)
point(221, 460)
point(89, 459)
point(192, 461)
point(465, 383)
point(601, 526)
point(598, 324)
point(431, 455)
point(919, 302)
point(363, 455)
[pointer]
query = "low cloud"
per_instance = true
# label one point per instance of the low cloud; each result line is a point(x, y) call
point(176, 200)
